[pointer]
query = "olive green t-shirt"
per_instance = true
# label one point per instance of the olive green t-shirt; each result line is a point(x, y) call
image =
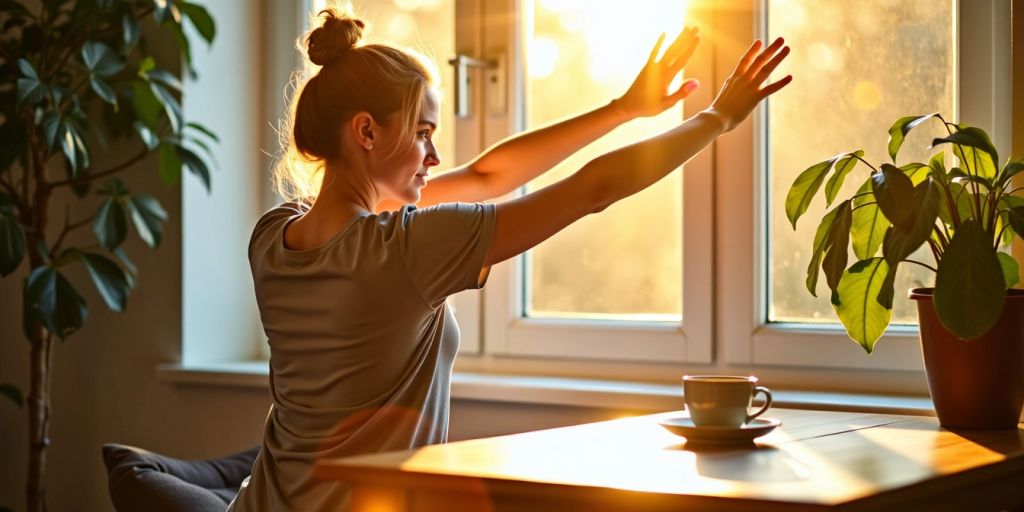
point(361, 341)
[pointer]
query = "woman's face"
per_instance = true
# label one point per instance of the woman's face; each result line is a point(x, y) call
point(402, 175)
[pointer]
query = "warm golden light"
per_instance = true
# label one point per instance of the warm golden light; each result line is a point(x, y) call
point(543, 55)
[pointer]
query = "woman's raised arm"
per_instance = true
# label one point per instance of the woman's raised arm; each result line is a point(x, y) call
point(524, 222)
point(515, 161)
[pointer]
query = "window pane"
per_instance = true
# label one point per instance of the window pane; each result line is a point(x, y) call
point(626, 262)
point(857, 67)
point(424, 26)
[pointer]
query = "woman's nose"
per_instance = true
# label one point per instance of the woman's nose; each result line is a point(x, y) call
point(432, 159)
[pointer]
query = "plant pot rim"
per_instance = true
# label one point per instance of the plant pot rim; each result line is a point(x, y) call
point(926, 294)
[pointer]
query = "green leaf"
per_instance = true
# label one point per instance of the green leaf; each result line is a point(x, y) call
point(146, 65)
point(968, 139)
point(130, 29)
point(970, 288)
point(101, 59)
point(206, 131)
point(842, 167)
point(30, 89)
point(74, 149)
point(170, 164)
point(12, 244)
point(898, 131)
point(148, 137)
point(869, 225)
point(110, 224)
point(148, 217)
point(938, 167)
point(834, 263)
point(119, 252)
point(104, 91)
point(821, 237)
point(1011, 272)
point(893, 192)
point(1011, 169)
point(165, 77)
point(55, 303)
point(864, 318)
point(924, 209)
point(195, 165)
point(145, 103)
point(958, 173)
point(171, 106)
point(805, 187)
point(201, 20)
point(13, 393)
point(888, 291)
point(917, 172)
point(1016, 216)
point(53, 130)
point(112, 282)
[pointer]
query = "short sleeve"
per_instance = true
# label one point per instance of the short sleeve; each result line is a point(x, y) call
point(444, 246)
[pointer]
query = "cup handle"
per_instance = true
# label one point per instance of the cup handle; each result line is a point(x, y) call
point(767, 402)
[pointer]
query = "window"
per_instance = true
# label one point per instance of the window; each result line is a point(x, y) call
point(701, 271)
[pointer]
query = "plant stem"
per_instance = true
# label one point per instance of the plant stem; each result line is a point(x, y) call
point(68, 227)
point(1014, 191)
point(943, 239)
point(866, 162)
point(862, 205)
point(929, 267)
point(91, 177)
point(936, 253)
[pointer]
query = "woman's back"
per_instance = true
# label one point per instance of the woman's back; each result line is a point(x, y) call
point(361, 341)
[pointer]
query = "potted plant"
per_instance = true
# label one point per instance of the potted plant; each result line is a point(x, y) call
point(972, 321)
point(75, 74)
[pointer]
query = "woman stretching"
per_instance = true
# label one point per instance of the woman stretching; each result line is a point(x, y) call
point(352, 273)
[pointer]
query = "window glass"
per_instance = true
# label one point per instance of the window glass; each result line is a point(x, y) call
point(626, 262)
point(857, 67)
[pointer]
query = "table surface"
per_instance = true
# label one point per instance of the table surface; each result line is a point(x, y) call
point(815, 459)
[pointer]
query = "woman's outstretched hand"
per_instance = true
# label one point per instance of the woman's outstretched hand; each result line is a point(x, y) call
point(648, 96)
point(742, 91)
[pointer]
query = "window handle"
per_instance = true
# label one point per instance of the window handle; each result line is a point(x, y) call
point(462, 64)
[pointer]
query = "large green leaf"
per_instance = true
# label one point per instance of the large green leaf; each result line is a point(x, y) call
point(898, 131)
point(111, 282)
point(842, 168)
point(937, 165)
point(12, 393)
point(30, 89)
point(894, 192)
point(101, 59)
point(805, 187)
point(201, 20)
point(12, 244)
point(924, 206)
point(1011, 271)
point(970, 288)
point(821, 239)
point(145, 103)
point(148, 217)
point(869, 225)
point(55, 303)
point(838, 246)
point(916, 171)
point(966, 141)
point(1016, 216)
point(856, 302)
point(110, 224)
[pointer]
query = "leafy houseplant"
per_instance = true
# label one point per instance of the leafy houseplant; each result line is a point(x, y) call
point(964, 214)
point(75, 74)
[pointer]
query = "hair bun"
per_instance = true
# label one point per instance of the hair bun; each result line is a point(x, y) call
point(330, 41)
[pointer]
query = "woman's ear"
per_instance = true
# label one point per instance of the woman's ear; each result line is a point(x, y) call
point(364, 129)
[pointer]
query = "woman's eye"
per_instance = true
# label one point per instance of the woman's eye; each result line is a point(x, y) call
point(424, 133)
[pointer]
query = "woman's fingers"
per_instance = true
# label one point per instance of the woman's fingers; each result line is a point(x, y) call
point(763, 57)
point(747, 58)
point(767, 69)
point(684, 57)
point(773, 87)
point(680, 45)
point(657, 47)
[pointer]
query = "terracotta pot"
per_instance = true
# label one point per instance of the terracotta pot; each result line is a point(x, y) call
point(978, 383)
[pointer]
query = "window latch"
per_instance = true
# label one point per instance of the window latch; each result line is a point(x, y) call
point(463, 89)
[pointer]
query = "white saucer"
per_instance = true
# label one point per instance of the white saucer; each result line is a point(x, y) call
point(683, 426)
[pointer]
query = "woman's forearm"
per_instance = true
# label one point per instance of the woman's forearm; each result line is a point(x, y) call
point(516, 160)
point(626, 171)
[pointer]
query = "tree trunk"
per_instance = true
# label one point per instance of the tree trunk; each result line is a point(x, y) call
point(38, 419)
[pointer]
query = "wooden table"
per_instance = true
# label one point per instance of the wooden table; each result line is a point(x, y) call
point(816, 460)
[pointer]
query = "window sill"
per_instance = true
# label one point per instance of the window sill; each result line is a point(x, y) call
point(575, 392)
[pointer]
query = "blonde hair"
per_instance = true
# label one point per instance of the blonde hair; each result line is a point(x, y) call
point(375, 78)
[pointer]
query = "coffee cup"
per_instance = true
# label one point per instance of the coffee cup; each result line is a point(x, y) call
point(722, 400)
